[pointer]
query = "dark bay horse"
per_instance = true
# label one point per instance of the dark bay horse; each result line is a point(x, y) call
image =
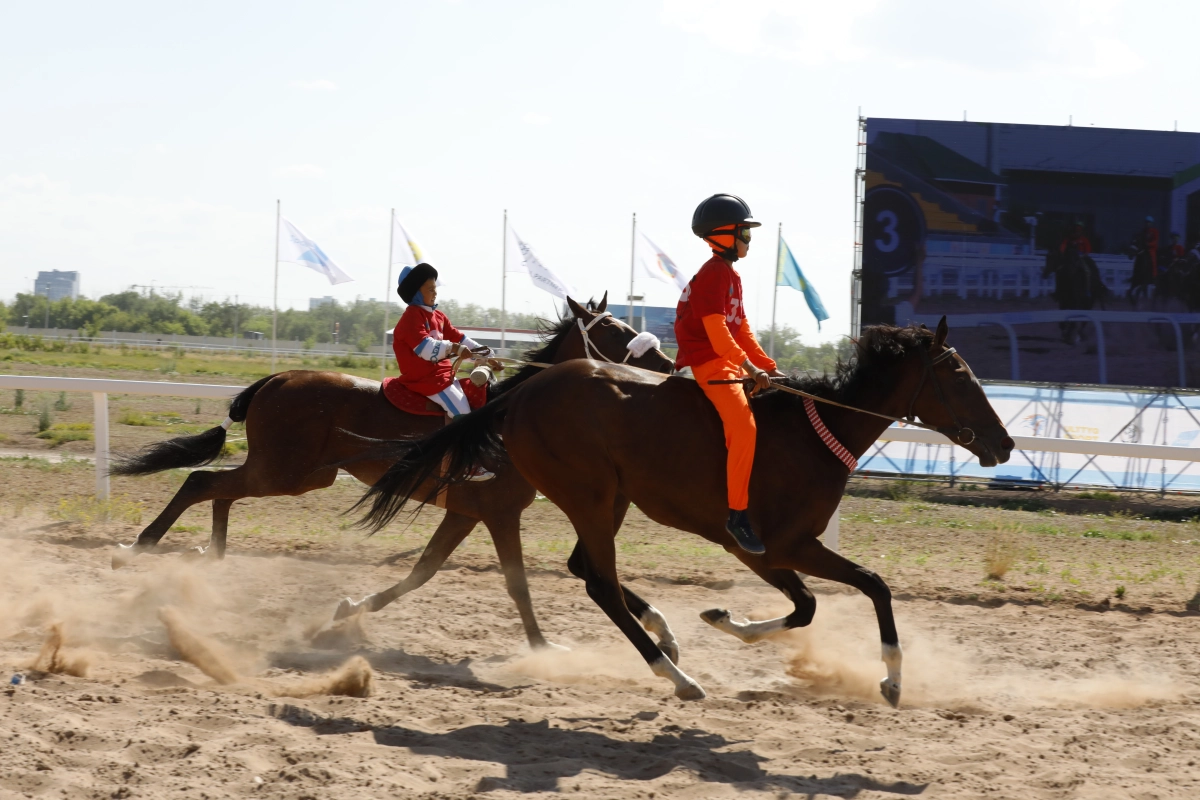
point(594, 437)
point(1077, 285)
point(294, 424)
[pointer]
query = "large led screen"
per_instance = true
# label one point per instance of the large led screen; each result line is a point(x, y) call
point(1060, 254)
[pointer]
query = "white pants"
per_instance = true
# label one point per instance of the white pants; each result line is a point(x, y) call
point(453, 400)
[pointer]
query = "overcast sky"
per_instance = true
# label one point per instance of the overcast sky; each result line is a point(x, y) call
point(148, 142)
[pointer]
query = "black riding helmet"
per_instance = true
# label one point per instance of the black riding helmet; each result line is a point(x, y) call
point(719, 211)
point(412, 279)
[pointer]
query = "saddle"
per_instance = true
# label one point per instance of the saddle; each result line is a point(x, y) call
point(410, 402)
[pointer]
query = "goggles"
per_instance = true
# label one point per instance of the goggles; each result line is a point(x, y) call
point(743, 234)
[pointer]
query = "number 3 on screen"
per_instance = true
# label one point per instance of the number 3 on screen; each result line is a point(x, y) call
point(888, 218)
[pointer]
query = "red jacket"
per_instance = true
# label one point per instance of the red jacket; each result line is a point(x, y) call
point(1079, 243)
point(715, 289)
point(415, 326)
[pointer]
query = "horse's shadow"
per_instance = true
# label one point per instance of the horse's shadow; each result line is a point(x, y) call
point(537, 756)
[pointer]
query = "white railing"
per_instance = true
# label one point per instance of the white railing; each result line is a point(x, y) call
point(100, 388)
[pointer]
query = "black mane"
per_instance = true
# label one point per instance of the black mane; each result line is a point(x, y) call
point(552, 335)
point(879, 347)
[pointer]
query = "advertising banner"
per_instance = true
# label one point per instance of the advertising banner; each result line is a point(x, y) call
point(1165, 418)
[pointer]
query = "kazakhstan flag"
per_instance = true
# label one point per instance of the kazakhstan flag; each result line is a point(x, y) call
point(787, 273)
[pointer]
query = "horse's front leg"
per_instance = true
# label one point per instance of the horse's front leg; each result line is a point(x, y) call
point(813, 558)
point(786, 581)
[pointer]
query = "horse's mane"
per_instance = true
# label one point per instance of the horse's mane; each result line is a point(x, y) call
point(879, 347)
point(552, 335)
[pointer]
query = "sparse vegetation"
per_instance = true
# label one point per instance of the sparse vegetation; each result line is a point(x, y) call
point(1000, 555)
point(90, 510)
point(65, 432)
point(1099, 495)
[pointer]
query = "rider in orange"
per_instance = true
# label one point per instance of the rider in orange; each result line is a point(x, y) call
point(1148, 240)
point(1077, 240)
point(717, 342)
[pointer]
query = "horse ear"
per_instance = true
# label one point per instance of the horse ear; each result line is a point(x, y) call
point(579, 311)
point(603, 302)
point(939, 337)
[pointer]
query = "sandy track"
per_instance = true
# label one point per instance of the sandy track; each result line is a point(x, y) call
point(1016, 701)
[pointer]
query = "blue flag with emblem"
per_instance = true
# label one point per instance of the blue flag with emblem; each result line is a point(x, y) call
point(788, 273)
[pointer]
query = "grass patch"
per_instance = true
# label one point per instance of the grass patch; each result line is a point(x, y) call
point(999, 556)
point(136, 418)
point(1111, 497)
point(89, 510)
point(65, 432)
point(177, 528)
point(1120, 536)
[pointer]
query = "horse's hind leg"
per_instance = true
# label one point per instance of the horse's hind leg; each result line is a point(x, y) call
point(445, 540)
point(650, 617)
point(506, 536)
point(595, 529)
point(813, 558)
point(786, 581)
point(199, 487)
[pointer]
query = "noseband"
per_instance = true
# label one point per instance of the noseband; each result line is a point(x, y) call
point(962, 435)
point(589, 348)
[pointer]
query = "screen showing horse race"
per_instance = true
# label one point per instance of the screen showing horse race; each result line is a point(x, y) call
point(1058, 253)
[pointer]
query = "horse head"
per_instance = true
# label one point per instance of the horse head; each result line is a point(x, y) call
point(950, 398)
point(599, 335)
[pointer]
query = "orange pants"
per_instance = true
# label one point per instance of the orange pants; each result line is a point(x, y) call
point(738, 419)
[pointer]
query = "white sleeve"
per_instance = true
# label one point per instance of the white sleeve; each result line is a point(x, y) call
point(469, 343)
point(432, 349)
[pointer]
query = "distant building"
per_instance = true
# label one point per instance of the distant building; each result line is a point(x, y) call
point(317, 302)
point(57, 285)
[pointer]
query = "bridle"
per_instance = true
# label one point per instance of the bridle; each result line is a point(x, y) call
point(959, 429)
point(959, 434)
point(589, 348)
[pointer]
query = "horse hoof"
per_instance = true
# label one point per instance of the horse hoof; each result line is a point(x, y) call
point(890, 692)
point(691, 691)
point(551, 647)
point(671, 651)
point(124, 555)
point(715, 617)
point(346, 608)
point(192, 554)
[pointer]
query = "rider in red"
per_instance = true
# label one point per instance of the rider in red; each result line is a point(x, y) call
point(1176, 250)
point(716, 341)
point(1148, 241)
point(1076, 240)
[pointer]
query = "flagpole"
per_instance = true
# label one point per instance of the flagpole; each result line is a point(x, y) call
point(386, 296)
point(632, 261)
point(504, 283)
point(775, 288)
point(275, 297)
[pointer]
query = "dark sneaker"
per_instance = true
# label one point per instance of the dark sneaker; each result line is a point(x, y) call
point(739, 528)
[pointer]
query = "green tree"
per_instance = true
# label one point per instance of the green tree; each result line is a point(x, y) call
point(793, 356)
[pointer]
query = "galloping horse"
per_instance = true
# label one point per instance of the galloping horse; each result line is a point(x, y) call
point(593, 437)
point(1077, 285)
point(1143, 274)
point(294, 427)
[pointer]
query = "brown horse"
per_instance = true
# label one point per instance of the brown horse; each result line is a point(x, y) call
point(295, 427)
point(593, 437)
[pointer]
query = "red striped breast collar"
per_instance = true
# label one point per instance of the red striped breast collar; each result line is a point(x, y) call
point(828, 438)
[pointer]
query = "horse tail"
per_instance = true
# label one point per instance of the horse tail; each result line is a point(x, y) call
point(444, 459)
point(187, 451)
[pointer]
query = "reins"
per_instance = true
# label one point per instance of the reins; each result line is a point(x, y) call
point(930, 363)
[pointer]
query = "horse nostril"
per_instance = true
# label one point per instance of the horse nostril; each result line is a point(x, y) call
point(1007, 443)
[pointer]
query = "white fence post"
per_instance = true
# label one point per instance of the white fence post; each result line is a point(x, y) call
point(100, 429)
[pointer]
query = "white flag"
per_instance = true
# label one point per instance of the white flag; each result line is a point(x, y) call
point(404, 250)
point(296, 248)
point(522, 259)
point(657, 264)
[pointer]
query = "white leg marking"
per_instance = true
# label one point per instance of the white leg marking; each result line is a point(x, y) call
point(890, 686)
point(748, 631)
point(654, 622)
point(685, 687)
point(124, 555)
